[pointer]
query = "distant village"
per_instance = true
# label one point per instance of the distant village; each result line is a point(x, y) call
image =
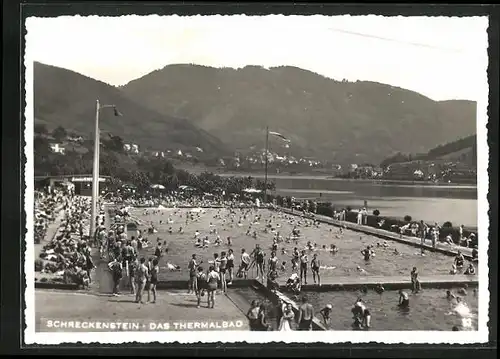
point(436, 170)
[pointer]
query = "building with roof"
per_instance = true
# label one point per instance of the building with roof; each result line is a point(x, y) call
point(82, 183)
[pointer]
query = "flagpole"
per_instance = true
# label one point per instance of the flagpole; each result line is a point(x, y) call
point(95, 174)
point(267, 155)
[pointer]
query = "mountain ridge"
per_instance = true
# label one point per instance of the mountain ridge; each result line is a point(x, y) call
point(353, 121)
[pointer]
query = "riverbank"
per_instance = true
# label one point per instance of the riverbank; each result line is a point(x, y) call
point(260, 175)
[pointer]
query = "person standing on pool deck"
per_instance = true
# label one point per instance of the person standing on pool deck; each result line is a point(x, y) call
point(315, 264)
point(273, 262)
point(303, 267)
point(259, 260)
point(192, 265)
point(415, 283)
point(212, 280)
point(423, 232)
point(117, 272)
point(140, 280)
point(132, 268)
point(200, 285)
point(153, 280)
point(245, 263)
point(306, 315)
point(222, 271)
point(230, 266)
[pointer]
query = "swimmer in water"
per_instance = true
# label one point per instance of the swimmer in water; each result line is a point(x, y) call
point(462, 291)
point(459, 260)
point(283, 266)
point(362, 316)
point(325, 313)
point(367, 253)
point(379, 289)
point(404, 300)
point(450, 295)
point(470, 270)
point(453, 269)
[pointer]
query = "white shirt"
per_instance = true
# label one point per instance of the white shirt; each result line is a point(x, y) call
point(245, 258)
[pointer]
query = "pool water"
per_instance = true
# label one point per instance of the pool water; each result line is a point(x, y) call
point(429, 309)
point(350, 243)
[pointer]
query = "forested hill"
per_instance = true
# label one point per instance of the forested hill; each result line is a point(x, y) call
point(461, 150)
point(349, 122)
point(66, 98)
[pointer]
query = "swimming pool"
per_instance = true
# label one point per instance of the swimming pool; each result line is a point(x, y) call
point(350, 243)
point(429, 309)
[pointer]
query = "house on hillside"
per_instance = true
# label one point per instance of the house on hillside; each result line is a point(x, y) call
point(77, 139)
point(56, 148)
point(418, 174)
point(132, 148)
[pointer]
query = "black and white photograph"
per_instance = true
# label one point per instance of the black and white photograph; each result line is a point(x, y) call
point(206, 178)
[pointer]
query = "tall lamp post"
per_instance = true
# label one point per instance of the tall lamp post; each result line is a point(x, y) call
point(267, 157)
point(95, 173)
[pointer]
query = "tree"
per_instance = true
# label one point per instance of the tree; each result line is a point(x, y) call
point(59, 133)
point(41, 129)
point(41, 147)
point(114, 143)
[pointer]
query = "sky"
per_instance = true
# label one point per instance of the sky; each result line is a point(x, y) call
point(442, 58)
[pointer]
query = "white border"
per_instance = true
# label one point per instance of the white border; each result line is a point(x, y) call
point(390, 337)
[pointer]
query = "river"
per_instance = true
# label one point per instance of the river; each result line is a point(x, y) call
point(430, 202)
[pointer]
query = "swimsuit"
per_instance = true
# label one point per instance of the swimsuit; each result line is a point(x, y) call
point(223, 265)
point(303, 262)
point(315, 266)
point(230, 262)
point(154, 275)
point(212, 282)
point(305, 324)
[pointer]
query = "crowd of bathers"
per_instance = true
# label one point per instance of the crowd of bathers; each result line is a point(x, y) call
point(67, 255)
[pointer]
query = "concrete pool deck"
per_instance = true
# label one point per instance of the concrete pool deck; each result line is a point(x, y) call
point(392, 282)
point(175, 308)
